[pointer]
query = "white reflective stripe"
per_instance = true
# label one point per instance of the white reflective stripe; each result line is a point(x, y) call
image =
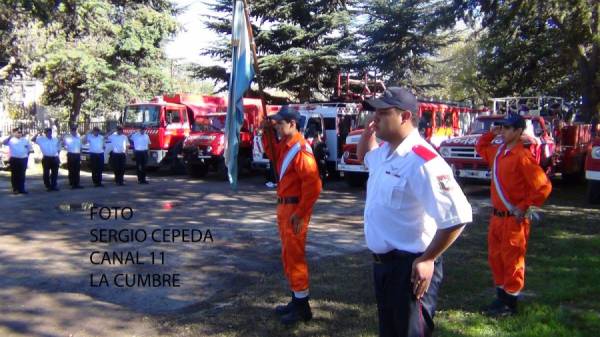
point(505, 201)
point(288, 159)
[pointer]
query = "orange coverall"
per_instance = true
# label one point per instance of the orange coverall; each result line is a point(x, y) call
point(524, 184)
point(302, 180)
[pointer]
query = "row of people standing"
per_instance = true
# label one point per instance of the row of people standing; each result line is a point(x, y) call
point(50, 147)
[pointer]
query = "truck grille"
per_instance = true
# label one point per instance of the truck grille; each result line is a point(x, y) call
point(463, 152)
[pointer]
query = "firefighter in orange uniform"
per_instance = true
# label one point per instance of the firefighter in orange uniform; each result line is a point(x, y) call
point(518, 183)
point(298, 189)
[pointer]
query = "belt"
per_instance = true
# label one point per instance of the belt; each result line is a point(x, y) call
point(288, 200)
point(502, 214)
point(393, 255)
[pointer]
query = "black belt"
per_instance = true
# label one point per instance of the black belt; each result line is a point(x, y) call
point(393, 255)
point(502, 214)
point(288, 200)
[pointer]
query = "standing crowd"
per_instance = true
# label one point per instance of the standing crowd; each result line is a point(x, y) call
point(116, 145)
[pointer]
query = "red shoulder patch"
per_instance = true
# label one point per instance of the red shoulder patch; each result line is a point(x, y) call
point(424, 152)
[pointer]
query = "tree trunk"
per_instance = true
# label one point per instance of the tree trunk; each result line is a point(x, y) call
point(76, 106)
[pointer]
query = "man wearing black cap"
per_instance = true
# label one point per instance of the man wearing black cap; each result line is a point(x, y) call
point(518, 183)
point(298, 190)
point(19, 148)
point(96, 149)
point(141, 143)
point(50, 146)
point(72, 144)
point(414, 211)
point(119, 143)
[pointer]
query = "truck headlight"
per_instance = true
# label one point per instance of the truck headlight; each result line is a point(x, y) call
point(445, 151)
point(596, 152)
point(209, 149)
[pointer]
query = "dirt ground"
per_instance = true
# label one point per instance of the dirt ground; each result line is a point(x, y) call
point(45, 247)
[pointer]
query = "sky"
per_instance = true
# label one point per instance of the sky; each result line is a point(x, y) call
point(194, 37)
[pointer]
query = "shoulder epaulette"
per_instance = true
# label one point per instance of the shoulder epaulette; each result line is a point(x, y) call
point(424, 152)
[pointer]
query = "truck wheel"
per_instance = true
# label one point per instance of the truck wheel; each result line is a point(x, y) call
point(593, 191)
point(354, 179)
point(572, 178)
point(197, 170)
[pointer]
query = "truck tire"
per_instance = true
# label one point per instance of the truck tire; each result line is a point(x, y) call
point(593, 192)
point(196, 170)
point(354, 179)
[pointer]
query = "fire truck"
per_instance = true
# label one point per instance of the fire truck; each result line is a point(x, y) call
point(461, 155)
point(322, 125)
point(203, 149)
point(592, 169)
point(438, 121)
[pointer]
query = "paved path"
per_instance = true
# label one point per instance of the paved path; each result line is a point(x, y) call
point(45, 250)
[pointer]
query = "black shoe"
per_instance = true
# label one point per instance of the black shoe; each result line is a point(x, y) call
point(23, 192)
point(503, 305)
point(15, 192)
point(54, 189)
point(285, 308)
point(121, 184)
point(300, 312)
point(77, 187)
point(99, 185)
point(48, 189)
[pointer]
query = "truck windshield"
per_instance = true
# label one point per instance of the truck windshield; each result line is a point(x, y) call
point(209, 124)
point(363, 116)
point(141, 115)
point(483, 125)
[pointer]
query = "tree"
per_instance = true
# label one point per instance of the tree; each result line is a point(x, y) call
point(98, 53)
point(539, 46)
point(398, 38)
point(299, 43)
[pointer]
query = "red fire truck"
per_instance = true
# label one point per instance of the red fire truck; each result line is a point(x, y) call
point(439, 121)
point(592, 170)
point(204, 148)
point(460, 152)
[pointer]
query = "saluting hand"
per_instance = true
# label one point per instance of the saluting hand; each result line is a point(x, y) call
point(422, 272)
point(370, 127)
point(296, 221)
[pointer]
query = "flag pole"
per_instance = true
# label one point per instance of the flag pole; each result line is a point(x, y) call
point(260, 89)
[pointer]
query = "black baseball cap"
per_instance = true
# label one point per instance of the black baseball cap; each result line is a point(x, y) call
point(395, 97)
point(286, 113)
point(515, 120)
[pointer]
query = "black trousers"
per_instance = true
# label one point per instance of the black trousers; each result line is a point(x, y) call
point(97, 163)
point(118, 165)
point(18, 166)
point(141, 160)
point(400, 313)
point(50, 168)
point(74, 166)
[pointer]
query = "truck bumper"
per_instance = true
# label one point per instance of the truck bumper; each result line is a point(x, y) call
point(352, 168)
point(264, 164)
point(592, 175)
point(472, 174)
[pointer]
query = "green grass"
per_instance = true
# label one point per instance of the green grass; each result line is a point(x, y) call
point(561, 297)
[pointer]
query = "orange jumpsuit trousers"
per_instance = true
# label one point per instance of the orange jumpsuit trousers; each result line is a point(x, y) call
point(524, 184)
point(301, 185)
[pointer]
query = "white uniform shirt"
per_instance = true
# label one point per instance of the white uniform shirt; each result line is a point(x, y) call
point(141, 142)
point(49, 146)
point(119, 143)
point(409, 198)
point(72, 143)
point(19, 147)
point(96, 143)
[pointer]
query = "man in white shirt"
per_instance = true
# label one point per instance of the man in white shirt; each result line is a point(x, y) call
point(141, 144)
point(50, 146)
point(72, 143)
point(118, 155)
point(414, 211)
point(19, 148)
point(96, 150)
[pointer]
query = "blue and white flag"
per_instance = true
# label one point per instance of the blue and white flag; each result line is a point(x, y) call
point(242, 73)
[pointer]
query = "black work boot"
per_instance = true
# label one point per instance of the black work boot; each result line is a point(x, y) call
point(503, 305)
point(300, 311)
point(285, 308)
